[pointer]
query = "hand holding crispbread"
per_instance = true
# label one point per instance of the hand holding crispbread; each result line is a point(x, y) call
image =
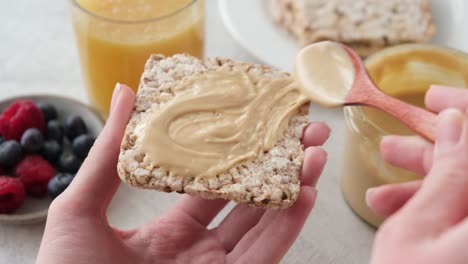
point(181, 234)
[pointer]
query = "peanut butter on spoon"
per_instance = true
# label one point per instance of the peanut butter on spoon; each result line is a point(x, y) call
point(333, 75)
point(325, 72)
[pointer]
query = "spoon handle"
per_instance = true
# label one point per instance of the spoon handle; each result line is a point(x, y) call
point(418, 119)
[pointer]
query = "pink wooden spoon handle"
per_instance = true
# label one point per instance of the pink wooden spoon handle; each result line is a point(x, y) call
point(365, 92)
point(419, 120)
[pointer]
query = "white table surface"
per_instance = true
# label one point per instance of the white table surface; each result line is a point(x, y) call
point(38, 55)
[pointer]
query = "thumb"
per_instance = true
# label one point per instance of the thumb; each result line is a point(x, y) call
point(97, 181)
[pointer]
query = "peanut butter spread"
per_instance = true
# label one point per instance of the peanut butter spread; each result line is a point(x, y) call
point(325, 72)
point(218, 119)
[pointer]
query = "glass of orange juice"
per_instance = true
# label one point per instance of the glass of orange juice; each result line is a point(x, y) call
point(116, 37)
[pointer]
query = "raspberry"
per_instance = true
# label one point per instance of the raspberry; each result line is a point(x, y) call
point(35, 173)
point(11, 194)
point(18, 117)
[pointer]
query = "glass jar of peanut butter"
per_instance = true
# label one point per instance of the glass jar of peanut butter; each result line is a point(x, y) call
point(406, 72)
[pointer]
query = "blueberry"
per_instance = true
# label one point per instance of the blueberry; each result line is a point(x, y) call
point(81, 145)
point(74, 126)
point(10, 154)
point(55, 131)
point(48, 110)
point(51, 151)
point(58, 184)
point(31, 140)
point(69, 163)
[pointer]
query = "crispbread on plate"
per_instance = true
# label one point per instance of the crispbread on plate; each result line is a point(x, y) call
point(365, 25)
point(270, 181)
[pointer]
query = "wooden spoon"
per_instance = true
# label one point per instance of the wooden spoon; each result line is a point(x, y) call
point(363, 90)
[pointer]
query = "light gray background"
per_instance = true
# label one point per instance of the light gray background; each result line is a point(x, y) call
point(38, 55)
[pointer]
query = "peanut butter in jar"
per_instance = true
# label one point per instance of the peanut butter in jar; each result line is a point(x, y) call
point(405, 72)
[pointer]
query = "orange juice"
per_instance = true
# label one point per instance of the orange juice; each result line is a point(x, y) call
point(116, 37)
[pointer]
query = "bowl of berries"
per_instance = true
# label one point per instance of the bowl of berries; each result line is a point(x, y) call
point(43, 142)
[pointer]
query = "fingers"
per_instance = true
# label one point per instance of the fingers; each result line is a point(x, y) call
point(314, 162)
point(242, 218)
point(271, 238)
point(315, 134)
point(114, 96)
point(97, 180)
point(236, 224)
point(201, 210)
point(411, 153)
point(204, 211)
point(441, 201)
point(386, 200)
point(439, 98)
point(314, 157)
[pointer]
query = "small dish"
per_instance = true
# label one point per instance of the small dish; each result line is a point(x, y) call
point(34, 210)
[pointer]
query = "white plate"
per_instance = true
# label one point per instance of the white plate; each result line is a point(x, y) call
point(251, 25)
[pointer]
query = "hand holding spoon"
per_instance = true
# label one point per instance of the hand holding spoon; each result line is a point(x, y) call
point(333, 75)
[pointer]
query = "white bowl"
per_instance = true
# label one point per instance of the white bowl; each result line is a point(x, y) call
point(34, 210)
